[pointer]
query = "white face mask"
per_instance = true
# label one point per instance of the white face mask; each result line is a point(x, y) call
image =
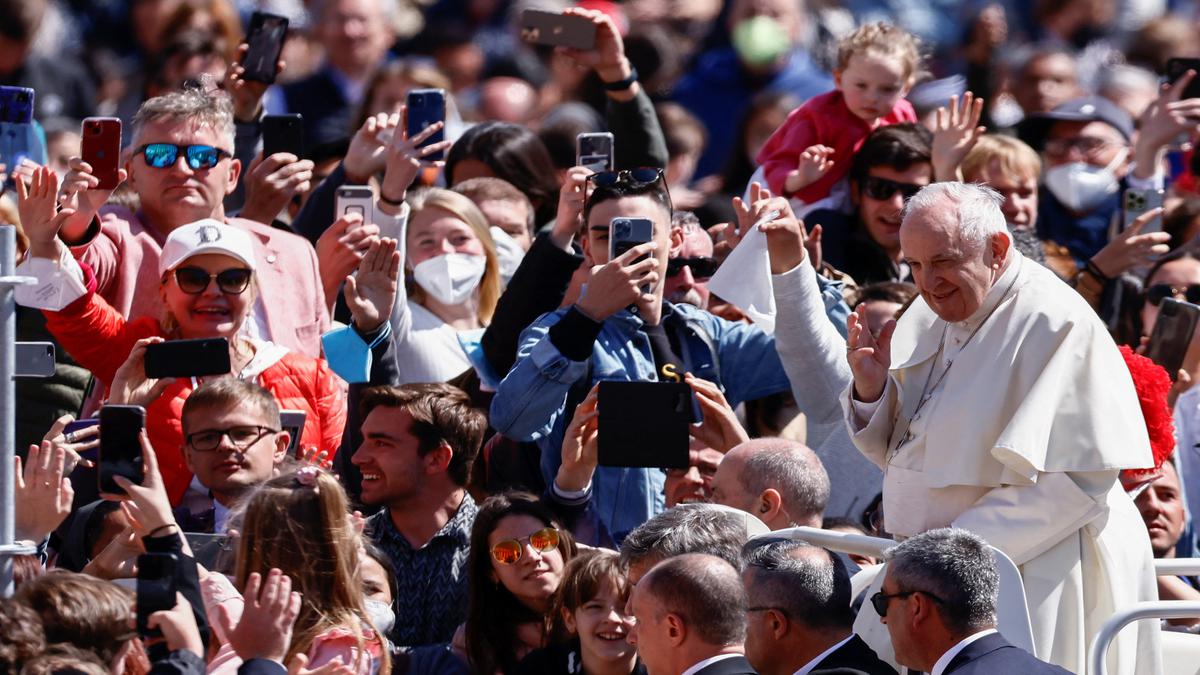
point(381, 615)
point(509, 252)
point(1081, 186)
point(450, 278)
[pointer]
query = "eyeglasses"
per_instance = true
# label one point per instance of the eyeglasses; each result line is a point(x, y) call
point(164, 155)
point(880, 600)
point(1159, 292)
point(1088, 146)
point(701, 267)
point(881, 188)
point(241, 437)
point(510, 551)
point(194, 280)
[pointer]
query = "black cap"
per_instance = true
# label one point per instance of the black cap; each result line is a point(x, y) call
point(1033, 129)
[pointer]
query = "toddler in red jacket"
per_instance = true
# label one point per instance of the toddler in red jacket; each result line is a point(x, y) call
point(810, 152)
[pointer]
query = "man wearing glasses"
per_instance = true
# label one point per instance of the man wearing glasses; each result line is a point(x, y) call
point(180, 170)
point(938, 600)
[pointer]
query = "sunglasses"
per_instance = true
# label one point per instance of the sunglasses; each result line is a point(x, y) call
point(635, 178)
point(880, 600)
point(1159, 292)
point(881, 188)
point(164, 155)
point(241, 437)
point(701, 267)
point(194, 281)
point(510, 551)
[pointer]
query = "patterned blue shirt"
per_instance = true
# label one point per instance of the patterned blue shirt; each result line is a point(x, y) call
point(431, 582)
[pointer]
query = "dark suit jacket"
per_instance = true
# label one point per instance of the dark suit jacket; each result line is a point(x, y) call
point(737, 665)
point(853, 657)
point(261, 667)
point(994, 654)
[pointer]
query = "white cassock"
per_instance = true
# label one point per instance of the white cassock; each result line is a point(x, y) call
point(1029, 414)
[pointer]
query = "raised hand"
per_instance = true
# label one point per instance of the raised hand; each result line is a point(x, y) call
point(272, 182)
point(367, 154)
point(1166, 118)
point(371, 293)
point(579, 447)
point(786, 240)
point(955, 132)
point(869, 357)
point(731, 236)
point(607, 58)
point(73, 443)
point(130, 386)
point(618, 283)
point(246, 95)
point(37, 206)
point(43, 492)
point(79, 194)
point(571, 200)
point(405, 160)
point(341, 248)
point(117, 560)
point(720, 429)
point(813, 163)
point(178, 626)
point(269, 610)
point(151, 507)
point(1131, 248)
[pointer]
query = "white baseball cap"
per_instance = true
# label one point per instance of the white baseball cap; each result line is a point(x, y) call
point(205, 236)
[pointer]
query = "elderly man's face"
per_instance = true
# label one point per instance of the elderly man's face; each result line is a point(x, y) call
point(690, 283)
point(952, 275)
point(1095, 143)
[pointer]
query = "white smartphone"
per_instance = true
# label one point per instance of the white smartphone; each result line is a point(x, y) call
point(594, 151)
point(355, 199)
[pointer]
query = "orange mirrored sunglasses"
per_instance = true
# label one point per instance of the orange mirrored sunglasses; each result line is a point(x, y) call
point(510, 551)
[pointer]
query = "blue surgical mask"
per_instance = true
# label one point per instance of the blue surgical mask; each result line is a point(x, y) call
point(348, 355)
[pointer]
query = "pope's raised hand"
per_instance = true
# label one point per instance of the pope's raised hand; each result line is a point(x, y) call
point(869, 356)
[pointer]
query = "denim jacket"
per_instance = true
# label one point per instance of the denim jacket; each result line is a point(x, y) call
point(529, 403)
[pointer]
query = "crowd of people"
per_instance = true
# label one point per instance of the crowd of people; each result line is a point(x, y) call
point(905, 267)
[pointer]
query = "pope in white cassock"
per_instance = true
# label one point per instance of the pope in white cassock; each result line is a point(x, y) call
point(999, 404)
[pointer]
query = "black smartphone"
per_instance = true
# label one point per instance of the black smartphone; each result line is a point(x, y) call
point(292, 421)
point(35, 359)
point(594, 151)
point(16, 105)
point(120, 445)
point(644, 424)
point(188, 358)
point(265, 38)
point(424, 107)
point(101, 148)
point(1172, 335)
point(157, 584)
point(625, 233)
point(555, 29)
point(1176, 68)
point(283, 133)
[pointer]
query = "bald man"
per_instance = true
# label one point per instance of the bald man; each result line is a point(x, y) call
point(781, 482)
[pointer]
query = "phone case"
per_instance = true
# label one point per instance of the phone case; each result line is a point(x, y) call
point(644, 424)
point(35, 359)
point(423, 108)
point(557, 30)
point(283, 133)
point(292, 421)
point(355, 199)
point(101, 148)
point(188, 358)
point(594, 151)
point(120, 446)
point(1172, 334)
point(16, 105)
point(265, 38)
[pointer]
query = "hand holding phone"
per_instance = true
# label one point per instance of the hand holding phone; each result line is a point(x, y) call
point(424, 108)
point(1177, 68)
point(594, 151)
point(283, 133)
point(625, 233)
point(101, 148)
point(264, 40)
point(188, 358)
point(120, 446)
point(555, 29)
point(620, 282)
point(157, 585)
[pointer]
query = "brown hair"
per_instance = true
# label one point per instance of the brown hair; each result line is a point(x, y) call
point(225, 25)
point(300, 524)
point(486, 188)
point(882, 38)
point(230, 392)
point(465, 210)
point(582, 579)
point(62, 658)
point(440, 412)
point(78, 609)
point(23, 636)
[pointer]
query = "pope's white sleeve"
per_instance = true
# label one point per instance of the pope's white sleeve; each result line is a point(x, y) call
point(1025, 521)
point(870, 424)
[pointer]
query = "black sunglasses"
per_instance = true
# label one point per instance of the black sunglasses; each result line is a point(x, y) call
point(701, 267)
point(880, 600)
point(164, 155)
point(194, 281)
point(641, 177)
point(882, 188)
point(1159, 292)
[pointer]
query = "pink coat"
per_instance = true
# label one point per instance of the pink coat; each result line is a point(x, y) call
point(124, 255)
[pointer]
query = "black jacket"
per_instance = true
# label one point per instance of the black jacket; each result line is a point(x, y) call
point(854, 657)
point(737, 665)
point(994, 654)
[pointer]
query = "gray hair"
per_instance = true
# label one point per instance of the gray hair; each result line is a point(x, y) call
point(957, 568)
point(792, 469)
point(703, 590)
point(976, 206)
point(687, 528)
point(191, 104)
point(810, 584)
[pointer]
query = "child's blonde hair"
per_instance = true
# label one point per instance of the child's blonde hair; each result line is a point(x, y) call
point(1013, 158)
point(882, 38)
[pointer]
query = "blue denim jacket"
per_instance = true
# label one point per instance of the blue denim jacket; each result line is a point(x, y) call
point(529, 402)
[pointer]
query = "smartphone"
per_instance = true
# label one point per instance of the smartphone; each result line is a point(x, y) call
point(265, 38)
point(1176, 68)
point(101, 147)
point(1138, 202)
point(188, 358)
point(80, 425)
point(594, 151)
point(557, 30)
point(157, 584)
point(283, 133)
point(35, 359)
point(292, 421)
point(19, 136)
point(625, 233)
point(120, 445)
point(423, 108)
point(355, 199)
point(644, 424)
point(1172, 335)
point(16, 105)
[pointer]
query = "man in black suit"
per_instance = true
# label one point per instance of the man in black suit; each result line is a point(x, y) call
point(938, 600)
point(691, 618)
point(799, 617)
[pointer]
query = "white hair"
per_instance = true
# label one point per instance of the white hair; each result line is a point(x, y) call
point(976, 206)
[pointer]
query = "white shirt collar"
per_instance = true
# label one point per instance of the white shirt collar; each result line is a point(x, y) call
point(708, 662)
point(940, 666)
point(807, 668)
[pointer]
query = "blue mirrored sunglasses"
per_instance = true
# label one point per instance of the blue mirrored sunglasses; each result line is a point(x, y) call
point(164, 155)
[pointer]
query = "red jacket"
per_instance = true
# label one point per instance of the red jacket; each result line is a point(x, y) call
point(823, 120)
point(100, 339)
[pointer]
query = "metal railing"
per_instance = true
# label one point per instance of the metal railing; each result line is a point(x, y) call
point(8, 418)
point(1162, 609)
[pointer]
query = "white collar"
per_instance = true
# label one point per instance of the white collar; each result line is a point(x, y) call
point(807, 668)
point(940, 666)
point(708, 662)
